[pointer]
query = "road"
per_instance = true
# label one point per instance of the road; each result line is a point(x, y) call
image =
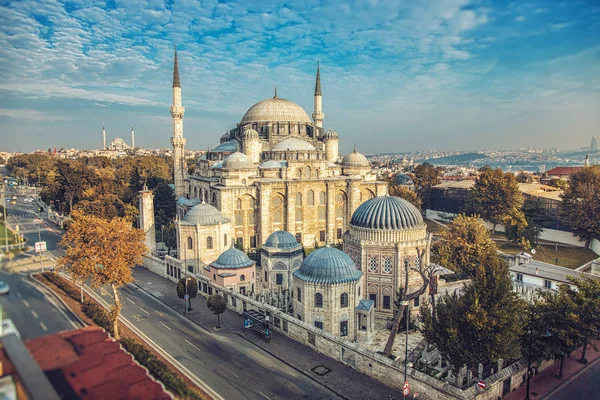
point(233, 367)
point(33, 311)
point(584, 386)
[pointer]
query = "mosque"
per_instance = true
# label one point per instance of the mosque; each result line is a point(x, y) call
point(118, 144)
point(276, 183)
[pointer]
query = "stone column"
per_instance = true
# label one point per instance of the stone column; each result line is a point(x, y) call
point(480, 371)
point(146, 221)
point(290, 195)
point(330, 212)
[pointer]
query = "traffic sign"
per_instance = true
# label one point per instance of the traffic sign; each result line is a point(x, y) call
point(40, 247)
point(186, 296)
point(406, 388)
point(481, 385)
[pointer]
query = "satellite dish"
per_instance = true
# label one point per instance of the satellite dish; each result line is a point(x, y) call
point(532, 251)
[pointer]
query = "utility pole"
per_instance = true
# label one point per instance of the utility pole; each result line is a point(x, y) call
point(5, 218)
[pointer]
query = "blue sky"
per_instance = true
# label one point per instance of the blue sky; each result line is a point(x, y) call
point(396, 75)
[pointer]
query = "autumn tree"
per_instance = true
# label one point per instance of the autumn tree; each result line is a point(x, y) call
point(406, 194)
point(104, 252)
point(189, 286)
point(515, 229)
point(462, 245)
point(164, 204)
point(425, 177)
point(495, 196)
point(217, 304)
point(107, 206)
point(580, 207)
point(558, 183)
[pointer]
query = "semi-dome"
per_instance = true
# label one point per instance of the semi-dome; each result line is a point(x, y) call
point(387, 212)
point(230, 146)
point(225, 137)
point(250, 134)
point(293, 144)
point(275, 109)
point(238, 161)
point(233, 258)
point(355, 159)
point(330, 134)
point(217, 165)
point(273, 164)
point(204, 214)
point(328, 265)
point(281, 240)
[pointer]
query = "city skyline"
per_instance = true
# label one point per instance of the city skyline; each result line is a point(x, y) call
point(456, 76)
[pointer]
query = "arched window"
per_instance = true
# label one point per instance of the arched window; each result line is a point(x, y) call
point(344, 300)
point(322, 213)
point(310, 198)
point(277, 210)
point(322, 198)
point(299, 174)
point(299, 199)
point(299, 296)
point(266, 276)
point(318, 300)
point(225, 240)
point(214, 277)
point(307, 172)
point(209, 242)
point(242, 278)
point(190, 243)
point(298, 215)
point(214, 199)
point(238, 204)
point(195, 193)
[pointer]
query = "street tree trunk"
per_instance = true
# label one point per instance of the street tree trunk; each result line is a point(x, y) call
point(218, 321)
point(81, 291)
point(560, 371)
point(116, 311)
point(583, 360)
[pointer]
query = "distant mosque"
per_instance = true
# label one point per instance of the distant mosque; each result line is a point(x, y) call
point(118, 144)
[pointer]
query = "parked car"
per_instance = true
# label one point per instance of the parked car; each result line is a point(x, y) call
point(4, 289)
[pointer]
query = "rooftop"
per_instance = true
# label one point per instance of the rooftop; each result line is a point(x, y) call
point(546, 271)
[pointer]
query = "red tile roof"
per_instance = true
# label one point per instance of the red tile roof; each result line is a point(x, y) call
point(87, 364)
point(563, 170)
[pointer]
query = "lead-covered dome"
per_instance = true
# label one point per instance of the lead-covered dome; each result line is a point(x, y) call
point(355, 159)
point(238, 161)
point(275, 109)
point(328, 265)
point(387, 212)
point(230, 146)
point(233, 258)
point(293, 144)
point(204, 214)
point(250, 134)
point(281, 240)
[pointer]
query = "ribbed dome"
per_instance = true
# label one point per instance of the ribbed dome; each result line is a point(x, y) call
point(275, 109)
point(328, 265)
point(281, 240)
point(330, 134)
point(355, 159)
point(233, 258)
point(250, 134)
point(204, 214)
point(230, 146)
point(225, 137)
point(403, 179)
point(387, 212)
point(238, 161)
point(293, 144)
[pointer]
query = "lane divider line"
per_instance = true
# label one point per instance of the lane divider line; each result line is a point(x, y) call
point(34, 314)
point(43, 326)
point(144, 311)
point(166, 326)
point(190, 343)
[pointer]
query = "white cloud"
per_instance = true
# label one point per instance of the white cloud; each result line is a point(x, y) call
point(520, 18)
point(34, 115)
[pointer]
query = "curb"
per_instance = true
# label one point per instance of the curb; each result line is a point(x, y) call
point(581, 371)
point(81, 322)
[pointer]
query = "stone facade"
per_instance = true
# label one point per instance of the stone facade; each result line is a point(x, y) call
point(198, 246)
point(146, 221)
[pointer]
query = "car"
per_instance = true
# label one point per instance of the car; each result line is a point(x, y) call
point(8, 327)
point(4, 289)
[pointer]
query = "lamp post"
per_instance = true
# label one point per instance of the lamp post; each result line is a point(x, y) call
point(5, 218)
point(162, 237)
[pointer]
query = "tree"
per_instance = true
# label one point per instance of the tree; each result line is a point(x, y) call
point(495, 196)
point(558, 183)
point(463, 244)
point(169, 234)
point(189, 286)
point(103, 251)
point(217, 304)
point(580, 207)
point(515, 229)
point(484, 324)
point(426, 176)
point(406, 194)
point(586, 298)
point(164, 204)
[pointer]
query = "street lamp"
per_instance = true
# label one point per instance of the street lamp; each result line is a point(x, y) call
point(162, 237)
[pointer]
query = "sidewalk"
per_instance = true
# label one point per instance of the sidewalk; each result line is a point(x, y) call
point(343, 380)
point(545, 382)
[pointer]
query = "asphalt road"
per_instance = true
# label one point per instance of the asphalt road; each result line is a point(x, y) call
point(231, 366)
point(584, 386)
point(34, 312)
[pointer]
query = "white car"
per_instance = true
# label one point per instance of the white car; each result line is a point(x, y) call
point(4, 289)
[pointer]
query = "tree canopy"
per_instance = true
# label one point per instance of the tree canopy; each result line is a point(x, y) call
point(164, 205)
point(217, 304)
point(425, 177)
point(406, 194)
point(580, 207)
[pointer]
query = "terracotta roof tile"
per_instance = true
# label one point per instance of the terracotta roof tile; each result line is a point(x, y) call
point(563, 170)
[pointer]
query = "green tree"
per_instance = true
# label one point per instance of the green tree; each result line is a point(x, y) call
point(495, 196)
point(189, 286)
point(580, 207)
point(169, 234)
point(217, 304)
point(425, 177)
point(164, 204)
point(586, 298)
point(463, 244)
point(406, 194)
point(558, 183)
point(515, 229)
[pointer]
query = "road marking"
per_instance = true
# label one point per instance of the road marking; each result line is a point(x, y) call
point(144, 311)
point(43, 326)
point(26, 303)
point(164, 325)
point(231, 372)
point(131, 301)
point(264, 395)
point(19, 295)
point(34, 314)
point(47, 295)
point(188, 342)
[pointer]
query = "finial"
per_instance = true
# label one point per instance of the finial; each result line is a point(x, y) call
point(103, 127)
point(355, 148)
point(275, 92)
point(318, 82)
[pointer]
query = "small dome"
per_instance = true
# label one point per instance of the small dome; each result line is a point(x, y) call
point(282, 240)
point(217, 165)
point(387, 212)
point(330, 134)
point(293, 144)
point(250, 134)
point(275, 109)
point(230, 146)
point(204, 214)
point(232, 258)
point(273, 164)
point(355, 159)
point(328, 265)
point(225, 137)
point(184, 201)
point(238, 161)
point(403, 179)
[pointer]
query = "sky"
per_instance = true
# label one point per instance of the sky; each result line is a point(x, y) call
point(396, 76)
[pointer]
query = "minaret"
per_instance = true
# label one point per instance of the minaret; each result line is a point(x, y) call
point(587, 161)
point(177, 140)
point(318, 114)
point(132, 138)
point(103, 137)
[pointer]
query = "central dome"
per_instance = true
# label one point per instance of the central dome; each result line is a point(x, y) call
point(328, 265)
point(275, 110)
point(387, 212)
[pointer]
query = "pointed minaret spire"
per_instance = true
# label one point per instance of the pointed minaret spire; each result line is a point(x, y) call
point(318, 84)
point(176, 82)
point(103, 137)
point(275, 96)
point(132, 138)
